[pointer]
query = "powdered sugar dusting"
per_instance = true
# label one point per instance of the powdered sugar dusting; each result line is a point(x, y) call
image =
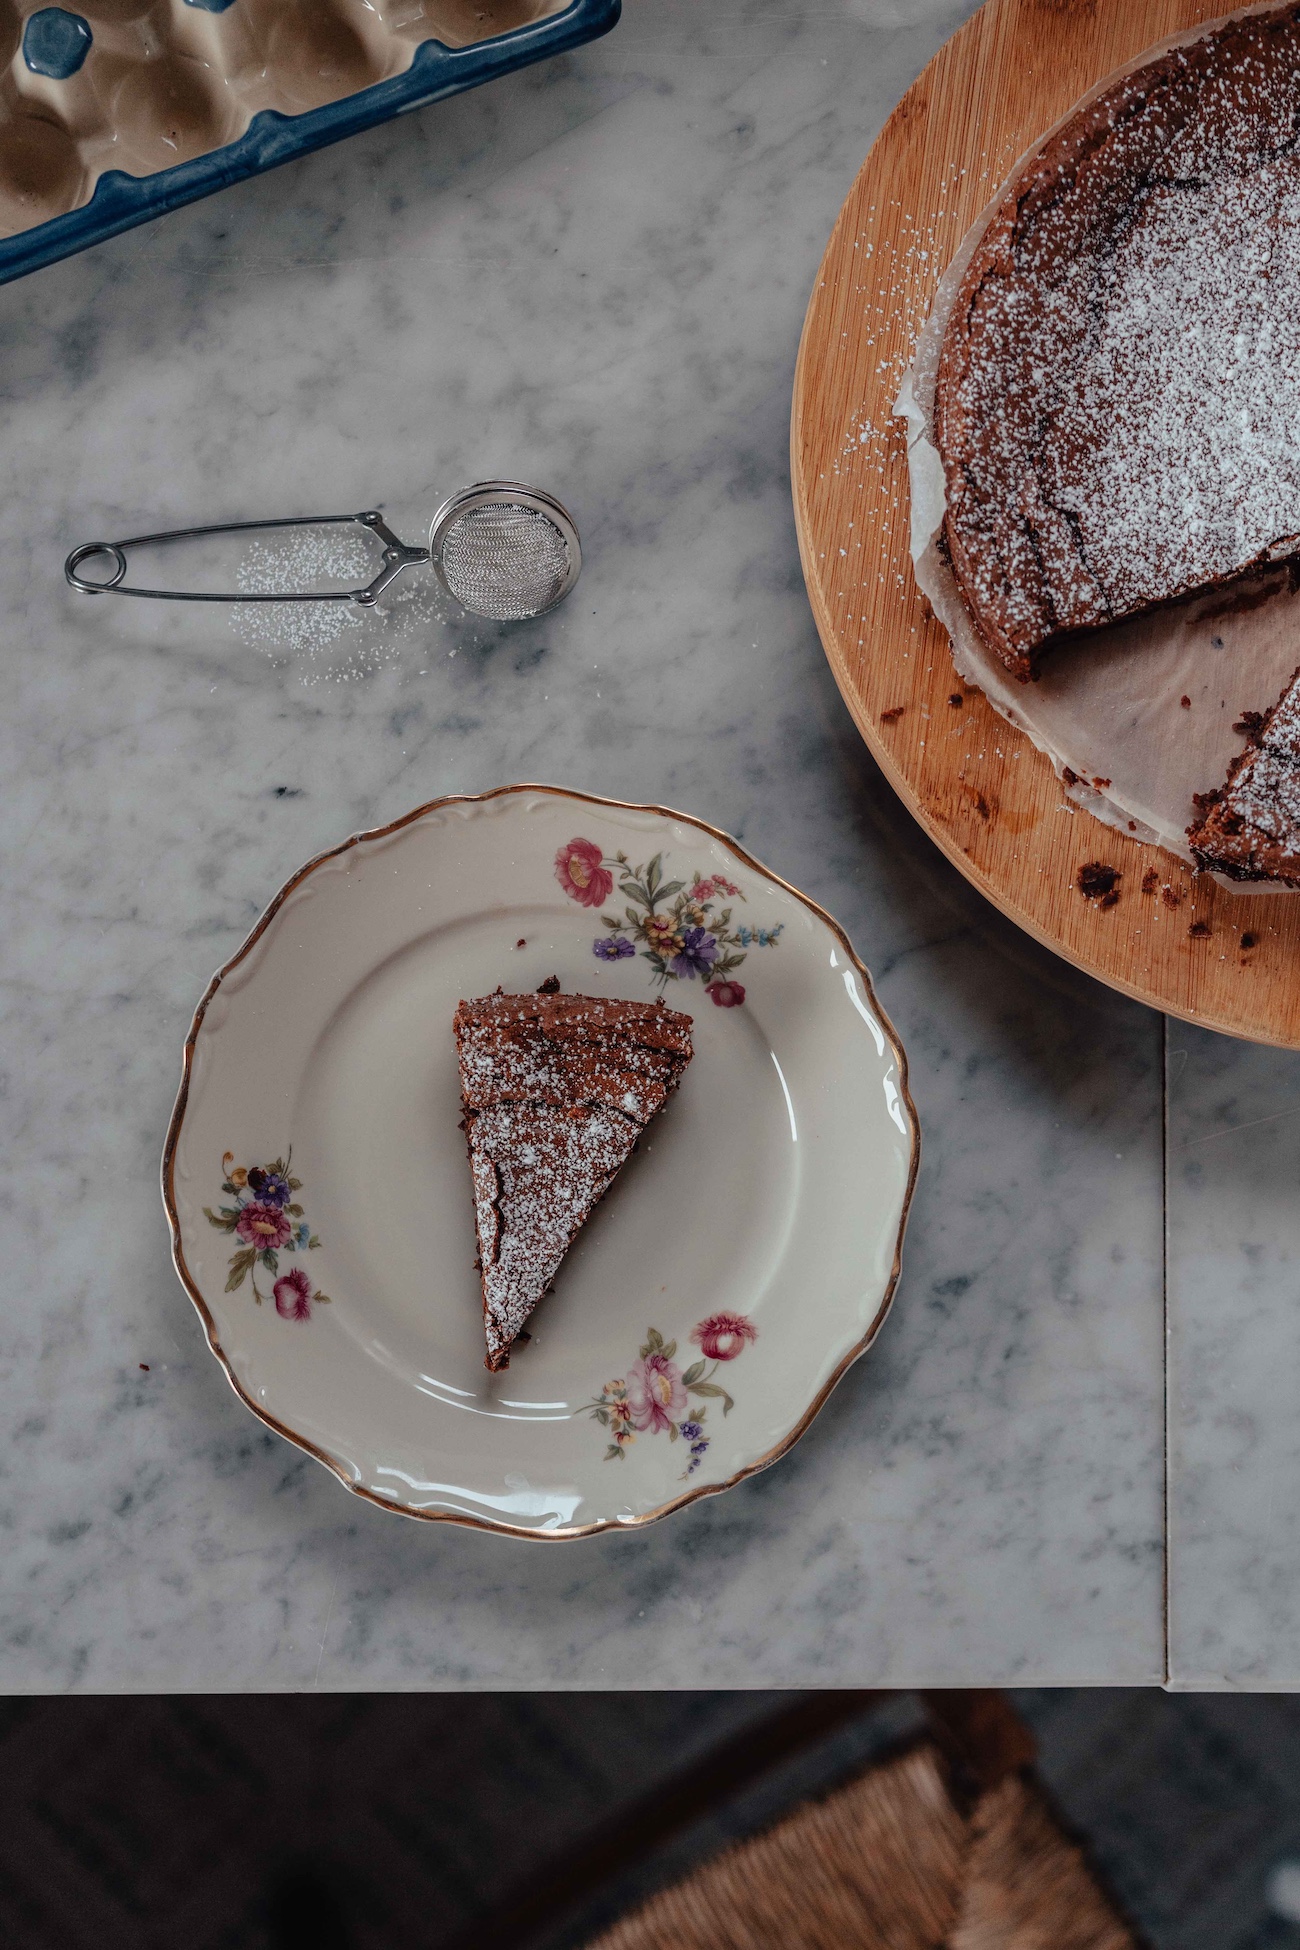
point(1192, 383)
point(1118, 401)
point(556, 1090)
point(538, 1171)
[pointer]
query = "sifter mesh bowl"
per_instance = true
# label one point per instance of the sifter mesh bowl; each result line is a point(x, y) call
point(505, 562)
point(502, 550)
point(505, 551)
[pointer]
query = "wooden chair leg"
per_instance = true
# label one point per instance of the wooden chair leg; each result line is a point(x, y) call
point(981, 1733)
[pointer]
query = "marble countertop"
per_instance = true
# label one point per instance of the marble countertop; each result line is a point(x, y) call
point(591, 274)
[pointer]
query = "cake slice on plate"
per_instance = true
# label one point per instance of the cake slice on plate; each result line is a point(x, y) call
point(556, 1090)
point(1249, 828)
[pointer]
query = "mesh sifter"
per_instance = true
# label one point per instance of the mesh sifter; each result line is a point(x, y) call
point(499, 549)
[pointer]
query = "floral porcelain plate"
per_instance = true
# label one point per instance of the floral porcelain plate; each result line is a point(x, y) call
point(317, 1186)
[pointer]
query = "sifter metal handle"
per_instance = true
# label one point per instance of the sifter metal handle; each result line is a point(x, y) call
point(396, 557)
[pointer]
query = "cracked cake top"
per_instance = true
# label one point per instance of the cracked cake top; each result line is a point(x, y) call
point(1117, 404)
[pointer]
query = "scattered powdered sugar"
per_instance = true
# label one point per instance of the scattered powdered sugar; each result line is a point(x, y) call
point(337, 642)
point(306, 558)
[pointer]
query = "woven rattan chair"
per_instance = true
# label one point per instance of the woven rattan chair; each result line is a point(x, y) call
point(947, 1845)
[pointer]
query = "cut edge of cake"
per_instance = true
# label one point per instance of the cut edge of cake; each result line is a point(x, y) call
point(1249, 827)
point(1014, 545)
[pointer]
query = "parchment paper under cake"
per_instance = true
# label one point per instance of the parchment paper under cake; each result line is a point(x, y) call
point(1137, 717)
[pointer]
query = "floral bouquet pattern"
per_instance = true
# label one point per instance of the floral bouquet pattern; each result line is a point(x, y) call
point(654, 1397)
point(681, 928)
point(266, 1219)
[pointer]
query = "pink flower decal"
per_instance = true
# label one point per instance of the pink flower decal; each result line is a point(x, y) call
point(656, 1395)
point(293, 1295)
point(726, 994)
point(723, 1336)
point(579, 870)
point(264, 1227)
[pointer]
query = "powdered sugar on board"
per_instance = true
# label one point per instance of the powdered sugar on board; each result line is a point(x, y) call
point(1139, 717)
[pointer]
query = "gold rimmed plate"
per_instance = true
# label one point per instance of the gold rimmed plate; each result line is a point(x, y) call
point(316, 1182)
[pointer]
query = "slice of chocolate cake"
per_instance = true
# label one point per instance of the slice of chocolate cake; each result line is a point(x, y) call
point(1249, 828)
point(1117, 403)
point(556, 1090)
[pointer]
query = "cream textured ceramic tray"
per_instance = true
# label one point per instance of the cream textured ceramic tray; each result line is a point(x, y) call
point(116, 110)
point(746, 1256)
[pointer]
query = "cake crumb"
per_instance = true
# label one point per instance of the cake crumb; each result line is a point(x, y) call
point(1099, 882)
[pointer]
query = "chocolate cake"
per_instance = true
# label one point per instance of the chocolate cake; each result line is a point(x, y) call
point(1117, 402)
point(556, 1091)
point(1249, 828)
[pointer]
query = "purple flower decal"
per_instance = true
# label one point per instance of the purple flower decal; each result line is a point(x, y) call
point(698, 953)
point(270, 1187)
point(613, 947)
point(693, 1433)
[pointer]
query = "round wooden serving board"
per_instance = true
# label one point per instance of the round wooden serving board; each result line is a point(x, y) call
point(980, 789)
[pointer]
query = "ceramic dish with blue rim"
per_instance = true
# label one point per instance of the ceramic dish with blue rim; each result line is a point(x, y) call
point(113, 111)
point(316, 1179)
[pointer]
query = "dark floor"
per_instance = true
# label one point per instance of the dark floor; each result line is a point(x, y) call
point(382, 1823)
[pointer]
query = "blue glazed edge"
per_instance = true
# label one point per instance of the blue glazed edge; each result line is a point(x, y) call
point(120, 202)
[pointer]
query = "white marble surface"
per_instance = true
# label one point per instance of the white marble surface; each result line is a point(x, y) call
point(1234, 1360)
point(592, 274)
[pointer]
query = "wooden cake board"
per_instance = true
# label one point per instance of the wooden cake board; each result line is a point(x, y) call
point(1174, 939)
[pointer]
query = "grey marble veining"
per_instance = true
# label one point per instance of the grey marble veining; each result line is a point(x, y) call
point(593, 275)
point(1234, 1356)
